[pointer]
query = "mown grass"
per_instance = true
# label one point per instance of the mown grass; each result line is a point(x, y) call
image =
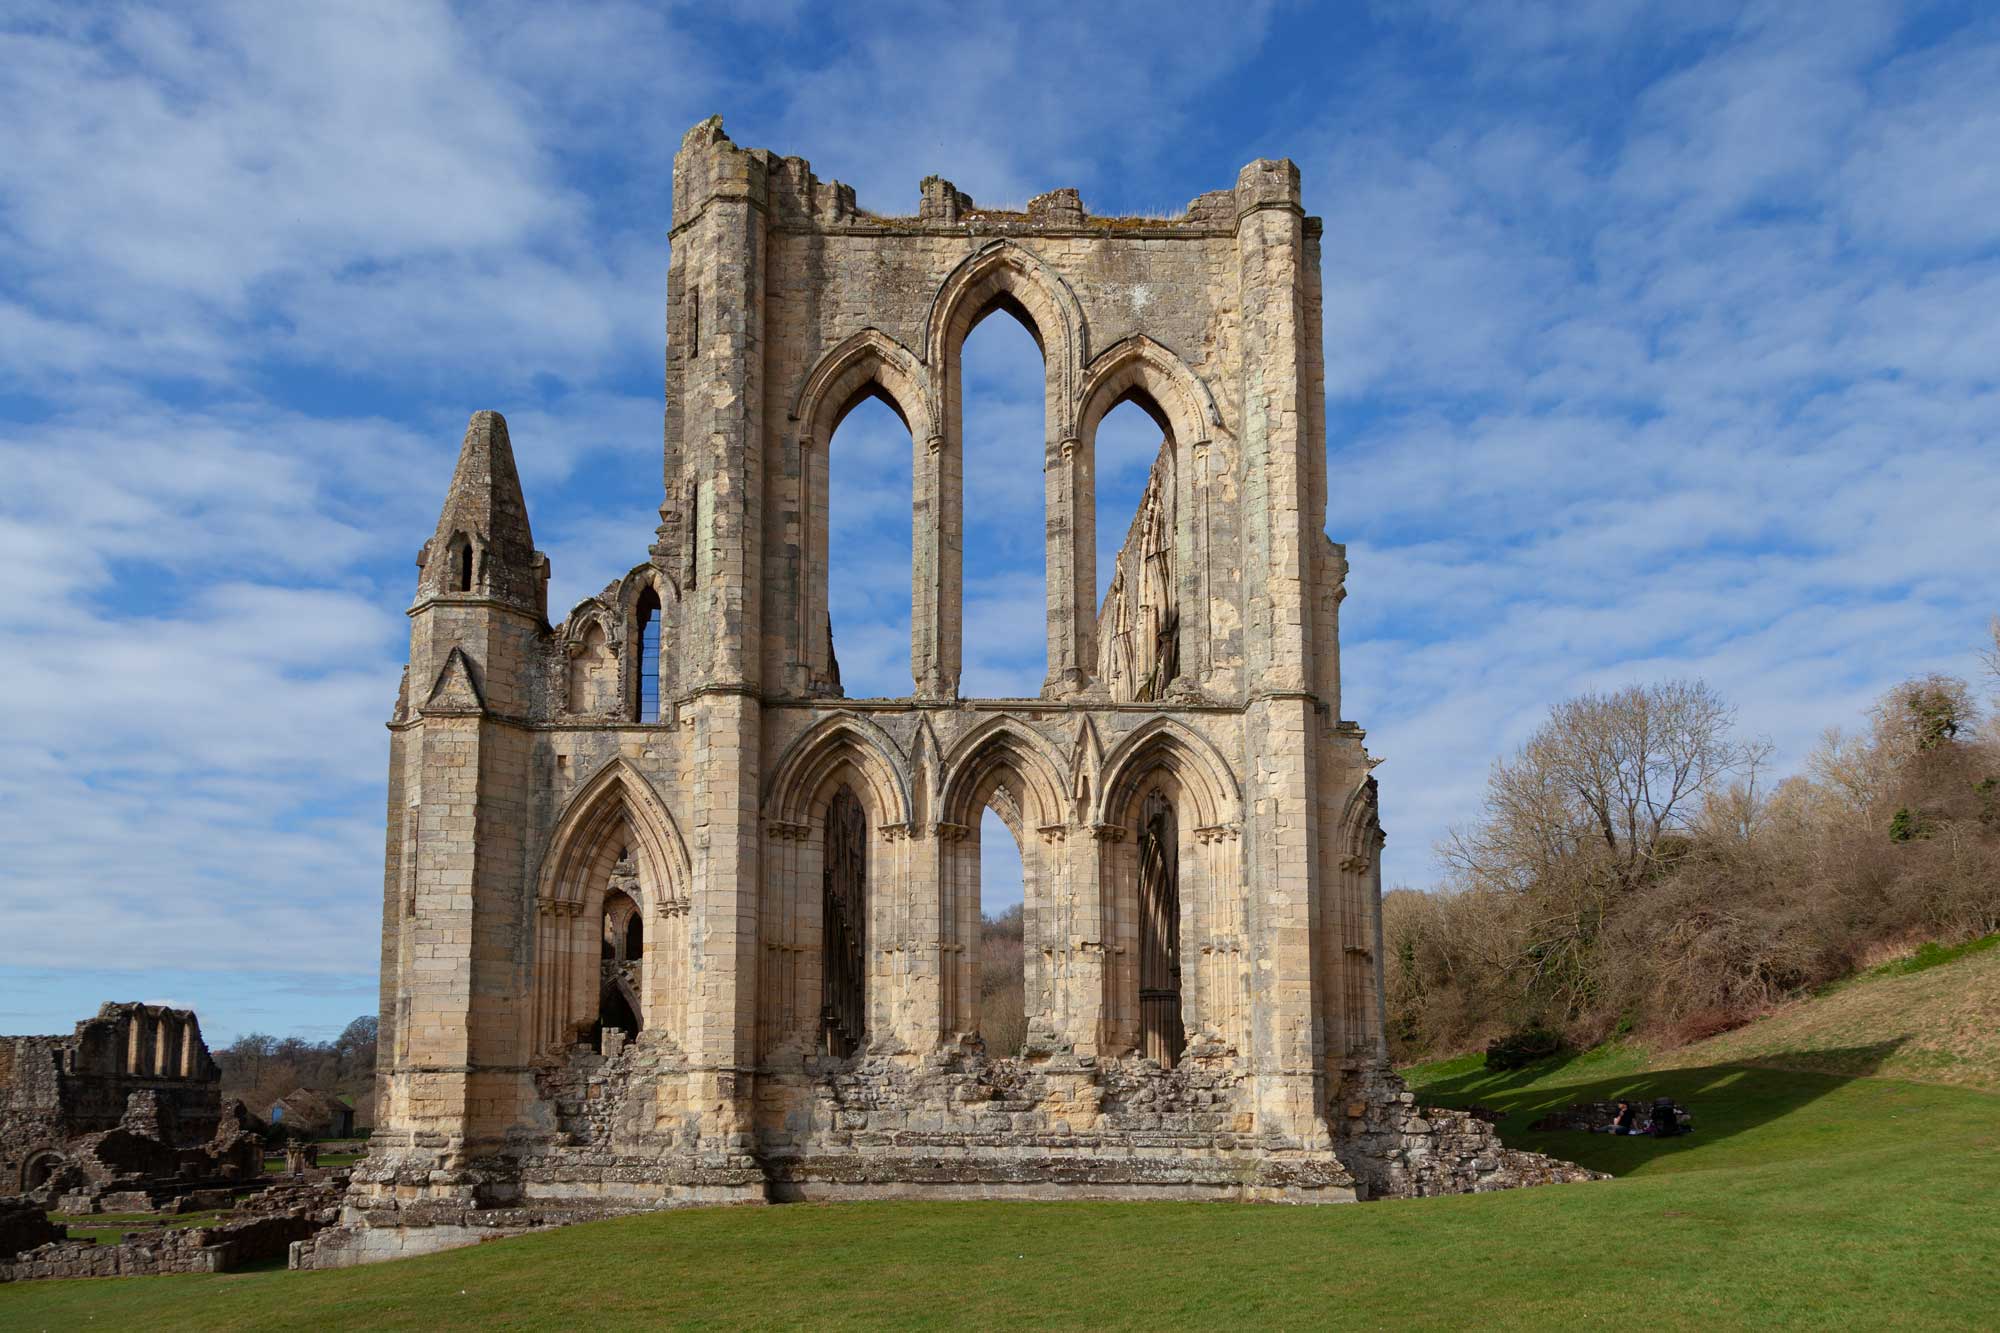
point(1802, 1200)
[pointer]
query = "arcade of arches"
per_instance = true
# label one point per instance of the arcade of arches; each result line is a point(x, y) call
point(668, 917)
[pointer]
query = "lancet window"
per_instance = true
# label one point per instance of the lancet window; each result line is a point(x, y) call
point(1161, 1036)
point(843, 938)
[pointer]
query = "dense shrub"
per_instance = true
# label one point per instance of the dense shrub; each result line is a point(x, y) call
point(1518, 1049)
point(1633, 871)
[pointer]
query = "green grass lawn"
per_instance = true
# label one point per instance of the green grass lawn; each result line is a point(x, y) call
point(1802, 1199)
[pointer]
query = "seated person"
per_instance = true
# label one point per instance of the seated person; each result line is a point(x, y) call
point(1666, 1119)
point(1626, 1121)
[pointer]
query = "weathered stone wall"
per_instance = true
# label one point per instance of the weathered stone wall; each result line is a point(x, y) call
point(57, 1089)
point(217, 1249)
point(527, 791)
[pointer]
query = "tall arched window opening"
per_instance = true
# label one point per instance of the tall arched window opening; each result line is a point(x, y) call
point(1001, 387)
point(1003, 1019)
point(869, 499)
point(621, 954)
point(843, 927)
point(648, 612)
point(1160, 1034)
point(1138, 622)
point(461, 565)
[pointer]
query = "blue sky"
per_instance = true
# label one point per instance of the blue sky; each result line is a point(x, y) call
point(1660, 340)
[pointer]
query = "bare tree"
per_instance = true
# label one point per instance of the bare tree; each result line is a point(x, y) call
point(1992, 655)
point(1595, 793)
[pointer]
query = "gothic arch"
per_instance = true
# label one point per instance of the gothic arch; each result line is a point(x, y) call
point(1197, 931)
point(1360, 821)
point(845, 752)
point(1003, 274)
point(1201, 770)
point(616, 811)
point(1015, 770)
point(1177, 606)
point(846, 743)
point(592, 657)
point(638, 581)
point(998, 747)
point(616, 792)
point(1141, 369)
point(1007, 271)
point(865, 364)
point(862, 363)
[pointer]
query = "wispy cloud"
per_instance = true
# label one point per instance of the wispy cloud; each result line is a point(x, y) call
point(1658, 341)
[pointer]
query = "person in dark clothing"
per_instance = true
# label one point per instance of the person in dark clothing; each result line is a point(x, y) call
point(1626, 1121)
point(1666, 1119)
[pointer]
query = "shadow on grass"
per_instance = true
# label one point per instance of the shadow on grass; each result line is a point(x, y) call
point(1725, 1100)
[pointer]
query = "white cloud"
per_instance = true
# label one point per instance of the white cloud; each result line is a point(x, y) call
point(1657, 344)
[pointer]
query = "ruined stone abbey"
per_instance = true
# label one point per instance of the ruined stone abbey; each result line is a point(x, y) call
point(667, 918)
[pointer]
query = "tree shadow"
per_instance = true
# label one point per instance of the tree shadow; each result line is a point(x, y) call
point(1725, 1100)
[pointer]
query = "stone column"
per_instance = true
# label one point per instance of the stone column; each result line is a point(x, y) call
point(936, 574)
point(1281, 721)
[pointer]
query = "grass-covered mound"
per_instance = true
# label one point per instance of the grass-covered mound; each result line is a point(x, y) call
point(1803, 1199)
point(1933, 1016)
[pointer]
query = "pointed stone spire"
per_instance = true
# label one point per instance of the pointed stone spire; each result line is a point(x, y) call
point(483, 546)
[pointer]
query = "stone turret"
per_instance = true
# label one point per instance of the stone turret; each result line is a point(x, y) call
point(483, 546)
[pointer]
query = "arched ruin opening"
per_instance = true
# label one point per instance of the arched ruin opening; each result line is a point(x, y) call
point(35, 1172)
point(622, 955)
point(1161, 1034)
point(1000, 386)
point(1138, 621)
point(868, 562)
point(646, 616)
point(1002, 965)
point(843, 930)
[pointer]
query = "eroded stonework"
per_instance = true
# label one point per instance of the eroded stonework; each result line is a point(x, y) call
point(127, 1095)
point(722, 946)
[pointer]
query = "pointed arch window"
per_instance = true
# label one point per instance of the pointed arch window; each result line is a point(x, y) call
point(649, 656)
point(843, 937)
point(461, 564)
point(1160, 1033)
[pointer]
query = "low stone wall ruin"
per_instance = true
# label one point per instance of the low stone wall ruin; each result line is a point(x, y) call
point(262, 1226)
point(216, 1249)
point(1399, 1150)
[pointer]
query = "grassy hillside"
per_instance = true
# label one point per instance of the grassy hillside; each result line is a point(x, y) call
point(1935, 1017)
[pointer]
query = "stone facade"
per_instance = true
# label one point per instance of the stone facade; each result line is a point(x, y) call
point(721, 946)
point(134, 1082)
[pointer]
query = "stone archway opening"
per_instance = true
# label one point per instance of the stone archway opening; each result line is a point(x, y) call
point(621, 957)
point(1002, 964)
point(1000, 394)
